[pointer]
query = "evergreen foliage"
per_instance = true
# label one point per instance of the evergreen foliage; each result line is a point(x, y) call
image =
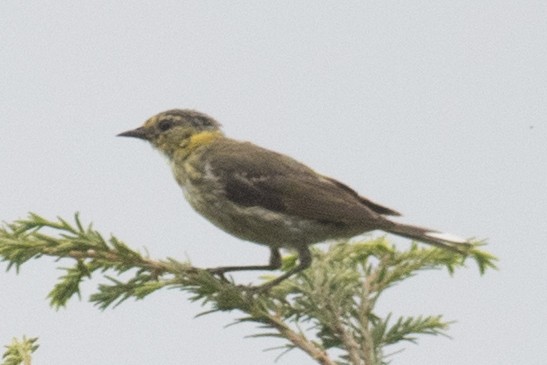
point(327, 311)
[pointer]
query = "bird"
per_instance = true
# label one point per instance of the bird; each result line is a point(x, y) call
point(265, 197)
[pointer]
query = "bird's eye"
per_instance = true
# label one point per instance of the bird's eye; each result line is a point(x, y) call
point(165, 125)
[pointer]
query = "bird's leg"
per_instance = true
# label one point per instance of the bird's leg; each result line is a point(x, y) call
point(304, 261)
point(275, 263)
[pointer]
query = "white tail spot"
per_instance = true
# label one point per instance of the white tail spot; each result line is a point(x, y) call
point(446, 237)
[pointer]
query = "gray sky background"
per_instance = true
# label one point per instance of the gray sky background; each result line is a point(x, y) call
point(435, 108)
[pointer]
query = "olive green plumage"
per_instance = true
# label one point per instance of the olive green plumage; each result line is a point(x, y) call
point(263, 196)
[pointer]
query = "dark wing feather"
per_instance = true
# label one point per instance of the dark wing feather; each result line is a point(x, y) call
point(248, 192)
point(380, 209)
point(254, 176)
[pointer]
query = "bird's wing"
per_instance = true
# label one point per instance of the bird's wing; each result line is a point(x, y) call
point(253, 176)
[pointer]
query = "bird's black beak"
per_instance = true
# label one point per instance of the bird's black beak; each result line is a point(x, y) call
point(140, 133)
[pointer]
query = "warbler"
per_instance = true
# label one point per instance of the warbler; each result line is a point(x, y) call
point(265, 197)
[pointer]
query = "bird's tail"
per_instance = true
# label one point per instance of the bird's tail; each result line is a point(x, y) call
point(430, 236)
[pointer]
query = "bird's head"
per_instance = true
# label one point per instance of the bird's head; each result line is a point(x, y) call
point(177, 130)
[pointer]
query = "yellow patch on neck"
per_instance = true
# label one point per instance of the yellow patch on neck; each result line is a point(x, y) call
point(202, 139)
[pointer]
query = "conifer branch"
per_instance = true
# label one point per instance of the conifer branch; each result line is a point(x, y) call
point(334, 300)
point(19, 352)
